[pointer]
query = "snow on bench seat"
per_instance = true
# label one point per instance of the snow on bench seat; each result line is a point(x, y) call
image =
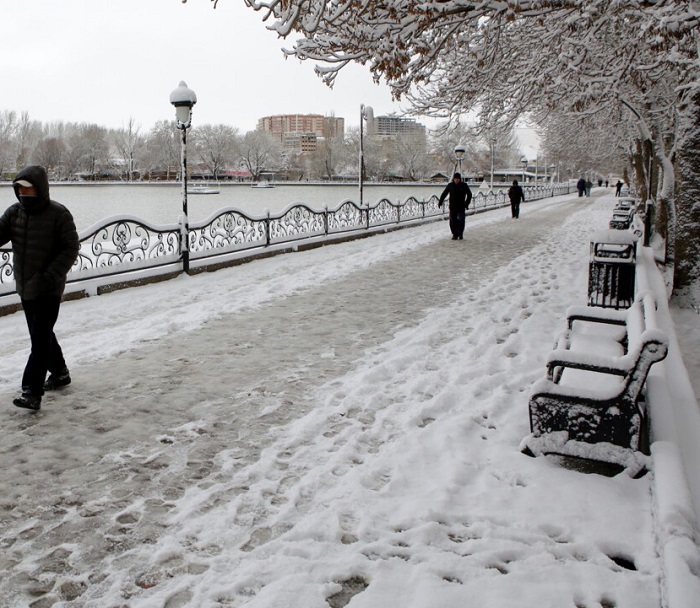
point(591, 393)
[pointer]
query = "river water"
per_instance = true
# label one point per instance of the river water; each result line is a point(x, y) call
point(162, 203)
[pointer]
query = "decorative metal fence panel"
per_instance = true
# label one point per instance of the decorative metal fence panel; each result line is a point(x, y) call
point(123, 245)
point(346, 218)
point(126, 245)
point(230, 230)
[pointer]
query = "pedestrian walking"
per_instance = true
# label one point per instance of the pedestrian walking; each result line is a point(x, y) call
point(460, 199)
point(618, 188)
point(589, 185)
point(44, 245)
point(581, 186)
point(516, 195)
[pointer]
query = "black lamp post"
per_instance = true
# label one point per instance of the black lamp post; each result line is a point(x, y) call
point(183, 99)
point(523, 160)
point(366, 113)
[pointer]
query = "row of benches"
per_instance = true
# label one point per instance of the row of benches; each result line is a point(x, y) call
point(590, 405)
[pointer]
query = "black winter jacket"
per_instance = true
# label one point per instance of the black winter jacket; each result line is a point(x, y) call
point(460, 195)
point(44, 239)
point(516, 194)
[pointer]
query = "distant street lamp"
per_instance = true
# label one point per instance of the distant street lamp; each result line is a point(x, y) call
point(183, 99)
point(460, 151)
point(523, 160)
point(366, 113)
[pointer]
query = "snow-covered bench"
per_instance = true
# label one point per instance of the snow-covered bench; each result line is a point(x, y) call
point(588, 405)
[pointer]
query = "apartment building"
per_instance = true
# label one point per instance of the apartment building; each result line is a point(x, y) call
point(389, 127)
point(301, 132)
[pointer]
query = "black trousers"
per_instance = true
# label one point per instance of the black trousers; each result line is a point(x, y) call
point(457, 222)
point(46, 354)
point(515, 209)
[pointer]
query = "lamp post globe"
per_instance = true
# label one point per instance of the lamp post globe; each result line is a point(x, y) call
point(523, 160)
point(183, 98)
point(460, 151)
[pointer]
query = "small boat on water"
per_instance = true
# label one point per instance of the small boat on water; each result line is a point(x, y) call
point(202, 190)
point(263, 183)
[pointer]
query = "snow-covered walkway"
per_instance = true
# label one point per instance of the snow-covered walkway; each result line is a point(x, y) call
point(329, 428)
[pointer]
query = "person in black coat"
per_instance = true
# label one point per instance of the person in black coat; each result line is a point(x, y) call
point(460, 199)
point(581, 186)
point(45, 245)
point(516, 196)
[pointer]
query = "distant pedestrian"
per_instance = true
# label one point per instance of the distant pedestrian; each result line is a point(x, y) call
point(516, 195)
point(460, 199)
point(44, 245)
point(607, 183)
point(581, 186)
point(589, 185)
point(618, 188)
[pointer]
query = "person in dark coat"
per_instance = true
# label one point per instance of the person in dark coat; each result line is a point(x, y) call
point(44, 245)
point(581, 186)
point(460, 199)
point(618, 188)
point(516, 196)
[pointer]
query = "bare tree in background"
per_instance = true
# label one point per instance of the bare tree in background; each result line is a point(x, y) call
point(215, 146)
point(259, 151)
point(127, 141)
point(163, 148)
point(8, 130)
point(49, 153)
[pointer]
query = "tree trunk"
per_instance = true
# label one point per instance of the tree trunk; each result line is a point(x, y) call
point(688, 199)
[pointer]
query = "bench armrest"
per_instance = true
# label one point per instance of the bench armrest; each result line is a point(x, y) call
point(594, 315)
point(562, 359)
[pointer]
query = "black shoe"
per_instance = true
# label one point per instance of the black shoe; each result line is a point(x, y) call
point(454, 238)
point(28, 400)
point(57, 380)
point(460, 238)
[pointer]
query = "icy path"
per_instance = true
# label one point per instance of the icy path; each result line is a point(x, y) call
point(341, 423)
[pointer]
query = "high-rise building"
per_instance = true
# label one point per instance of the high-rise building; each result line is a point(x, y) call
point(391, 126)
point(302, 131)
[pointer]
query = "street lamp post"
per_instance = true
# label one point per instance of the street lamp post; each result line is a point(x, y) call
point(493, 143)
point(366, 113)
point(552, 168)
point(183, 99)
point(460, 151)
point(523, 160)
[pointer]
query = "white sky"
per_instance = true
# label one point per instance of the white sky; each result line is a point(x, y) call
point(104, 62)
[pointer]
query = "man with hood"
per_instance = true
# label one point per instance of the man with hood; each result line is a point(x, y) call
point(44, 245)
point(516, 196)
point(460, 199)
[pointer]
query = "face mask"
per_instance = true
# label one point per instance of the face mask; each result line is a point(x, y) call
point(28, 200)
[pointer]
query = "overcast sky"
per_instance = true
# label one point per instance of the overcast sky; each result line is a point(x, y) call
point(105, 61)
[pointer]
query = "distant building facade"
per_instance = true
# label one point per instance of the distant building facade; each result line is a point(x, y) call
point(302, 132)
point(390, 127)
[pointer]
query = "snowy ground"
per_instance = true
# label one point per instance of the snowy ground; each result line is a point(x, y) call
point(328, 428)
